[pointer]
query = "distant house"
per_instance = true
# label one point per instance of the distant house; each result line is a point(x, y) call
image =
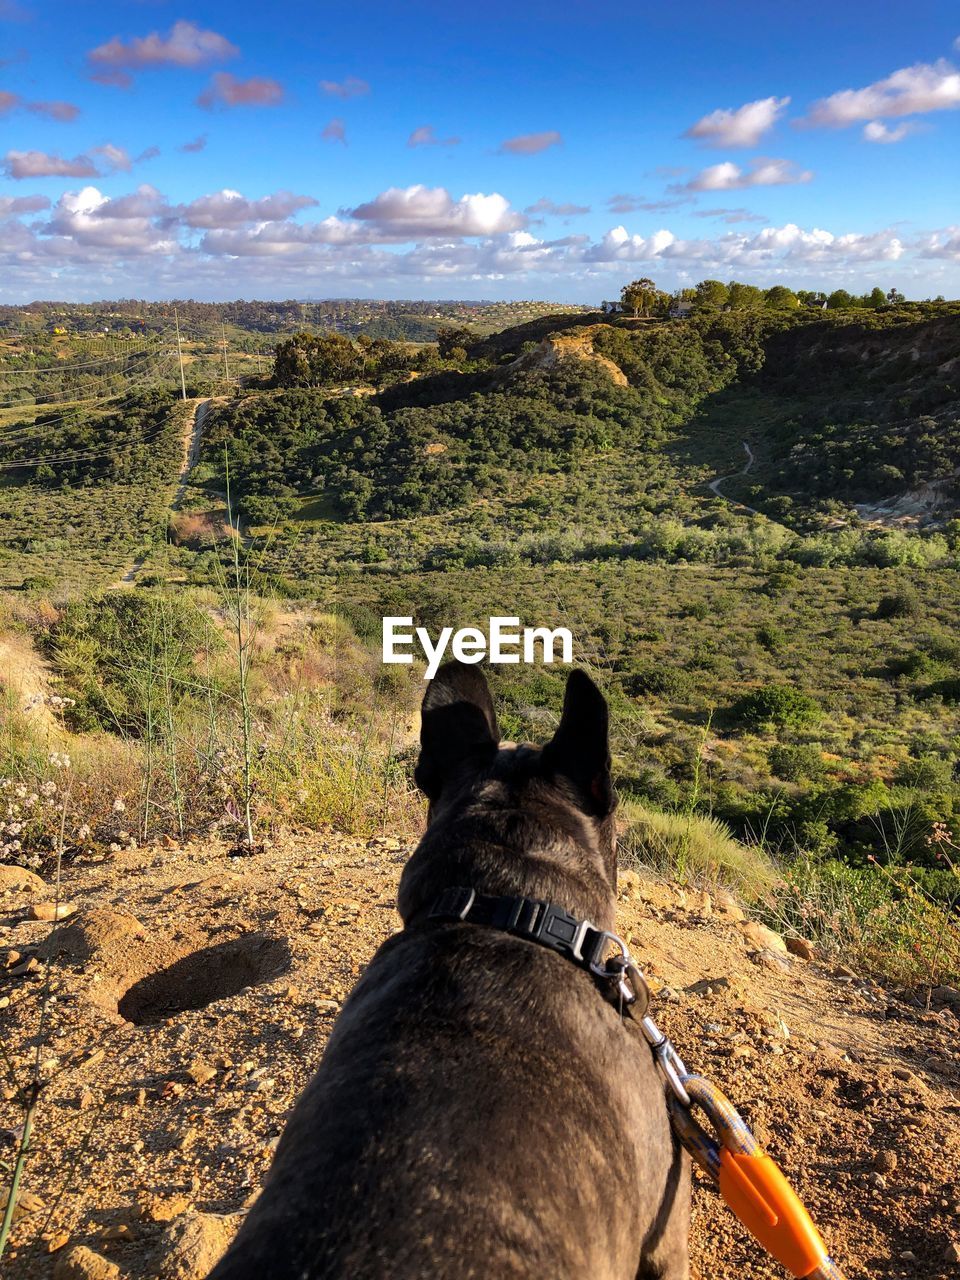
point(610, 308)
point(816, 304)
point(680, 309)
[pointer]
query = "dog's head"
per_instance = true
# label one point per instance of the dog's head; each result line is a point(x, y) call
point(522, 818)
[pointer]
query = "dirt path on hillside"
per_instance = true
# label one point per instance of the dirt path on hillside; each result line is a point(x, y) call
point(192, 436)
point(196, 994)
point(714, 485)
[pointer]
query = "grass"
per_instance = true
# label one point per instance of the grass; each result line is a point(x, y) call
point(696, 849)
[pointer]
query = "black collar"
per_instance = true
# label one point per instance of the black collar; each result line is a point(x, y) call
point(542, 922)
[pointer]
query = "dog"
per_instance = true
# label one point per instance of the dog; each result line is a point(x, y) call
point(482, 1109)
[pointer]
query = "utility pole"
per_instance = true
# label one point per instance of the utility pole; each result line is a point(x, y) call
point(183, 383)
point(223, 338)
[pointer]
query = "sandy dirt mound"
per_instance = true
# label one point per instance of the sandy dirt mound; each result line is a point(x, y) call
point(558, 347)
point(194, 997)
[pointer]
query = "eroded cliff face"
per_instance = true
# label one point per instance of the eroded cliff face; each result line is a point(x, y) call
point(575, 345)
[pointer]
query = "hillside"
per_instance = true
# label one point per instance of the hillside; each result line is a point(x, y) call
point(194, 995)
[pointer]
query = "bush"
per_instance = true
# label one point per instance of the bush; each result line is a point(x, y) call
point(903, 603)
point(948, 690)
point(771, 637)
point(778, 704)
point(801, 763)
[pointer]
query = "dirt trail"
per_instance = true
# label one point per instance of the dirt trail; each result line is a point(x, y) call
point(191, 452)
point(715, 484)
point(179, 1040)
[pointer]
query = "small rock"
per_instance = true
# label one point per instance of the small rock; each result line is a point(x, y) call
point(727, 905)
point(27, 1202)
point(52, 910)
point(902, 1073)
point(81, 1263)
point(908, 1256)
point(764, 939)
point(707, 986)
point(802, 948)
point(119, 1231)
point(877, 1180)
point(24, 970)
point(628, 884)
point(700, 903)
point(191, 1246)
point(11, 959)
point(841, 971)
point(941, 996)
point(12, 877)
point(952, 1252)
point(886, 1160)
point(57, 1242)
point(201, 1072)
point(770, 959)
point(163, 1208)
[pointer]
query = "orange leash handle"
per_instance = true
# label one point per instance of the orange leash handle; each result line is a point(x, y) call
point(750, 1182)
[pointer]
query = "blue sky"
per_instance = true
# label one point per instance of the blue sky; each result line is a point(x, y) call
point(496, 151)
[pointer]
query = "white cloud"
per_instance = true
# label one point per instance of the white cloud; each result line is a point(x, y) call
point(11, 206)
point(425, 136)
point(941, 244)
point(131, 225)
point(42, 164)
point(549, 208)
point(530, 144)
point(411, 212)
point(229, 208)
point(350, 87)
point(877, 131)
point(728, 176)
point(114, 157)
point(409, 239)
point(226, 90)
point(334, 131)
point(909, 91)
point(186, 45)
point(738, 127)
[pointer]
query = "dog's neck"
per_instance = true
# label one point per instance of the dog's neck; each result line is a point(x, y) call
point(508, 854)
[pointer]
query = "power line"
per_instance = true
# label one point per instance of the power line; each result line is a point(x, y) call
point(68, 368)
point(64, 394)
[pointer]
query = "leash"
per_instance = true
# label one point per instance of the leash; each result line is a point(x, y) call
point(751, 1183)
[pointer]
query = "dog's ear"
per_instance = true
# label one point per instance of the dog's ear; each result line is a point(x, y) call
point(580, 749)
point(458, 726)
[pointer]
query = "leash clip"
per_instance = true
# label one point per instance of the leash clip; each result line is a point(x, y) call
point(621, 968)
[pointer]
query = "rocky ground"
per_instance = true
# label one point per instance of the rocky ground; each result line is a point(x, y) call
point(192, 994)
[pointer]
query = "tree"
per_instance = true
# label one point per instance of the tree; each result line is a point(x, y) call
point(780, 298)
point(315, 359)
point(642, 297)
point(448, 340)
point(743, 297)
point(876, 298)
point(711, 295)
point(895, 297)
point(840, 300)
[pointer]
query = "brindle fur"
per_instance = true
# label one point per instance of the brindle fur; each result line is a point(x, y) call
point(481, 1110)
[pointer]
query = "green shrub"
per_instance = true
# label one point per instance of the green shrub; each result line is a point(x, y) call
point(801, 763)
point(777, 704)
point(902, 603)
